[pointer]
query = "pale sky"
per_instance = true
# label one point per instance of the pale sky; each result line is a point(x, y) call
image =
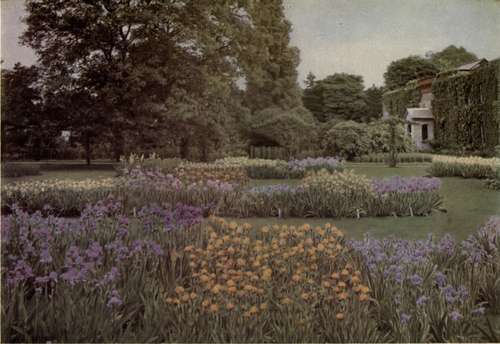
point(352, 36)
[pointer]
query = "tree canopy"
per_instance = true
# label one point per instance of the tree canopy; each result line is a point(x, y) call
point(401, 71)
point(338, 96)
point(451, 57)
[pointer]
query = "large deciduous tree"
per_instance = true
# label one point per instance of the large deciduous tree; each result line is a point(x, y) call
point(134, 57)
point(452, 57)
point(339, 96)
point(401, 71)
point(27, 129)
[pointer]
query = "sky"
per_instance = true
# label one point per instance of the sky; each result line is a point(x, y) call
point(353, 36)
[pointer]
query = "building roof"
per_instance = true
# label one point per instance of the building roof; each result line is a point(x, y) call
point(418, 113)
point(472, 65)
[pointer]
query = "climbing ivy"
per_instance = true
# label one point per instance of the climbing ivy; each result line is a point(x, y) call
point(396, 102)
point(466, 112)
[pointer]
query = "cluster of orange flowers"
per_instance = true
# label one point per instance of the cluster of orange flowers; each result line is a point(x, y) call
point(196, 172)
point(242, 269)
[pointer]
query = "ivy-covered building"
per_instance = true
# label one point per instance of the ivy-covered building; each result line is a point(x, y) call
point(458, 110)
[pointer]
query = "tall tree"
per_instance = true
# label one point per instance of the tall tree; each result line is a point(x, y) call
point(271, 68)
point(401, 71)
point(373, 97)
point(132, 56)
point(452, 57)
point(338, 96)
point(313, 96)
point(26, 126)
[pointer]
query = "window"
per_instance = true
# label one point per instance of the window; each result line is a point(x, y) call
point(425, 133)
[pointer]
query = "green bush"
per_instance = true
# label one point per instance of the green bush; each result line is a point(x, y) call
point(11, 170)
point(350, 139)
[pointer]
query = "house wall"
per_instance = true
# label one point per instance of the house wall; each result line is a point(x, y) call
point(416, 134)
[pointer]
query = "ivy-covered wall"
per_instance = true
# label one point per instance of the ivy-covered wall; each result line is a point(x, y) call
point(466, 111)
point(396, 102)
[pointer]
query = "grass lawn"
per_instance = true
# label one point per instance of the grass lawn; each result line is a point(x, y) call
point(75, 174)
point(467, 201)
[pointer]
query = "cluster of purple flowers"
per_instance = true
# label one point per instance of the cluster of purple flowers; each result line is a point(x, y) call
point(137, 178)
point(406, 184)
point(329, 163)
point(485, 244)
point(418, 269)
point(46, 250)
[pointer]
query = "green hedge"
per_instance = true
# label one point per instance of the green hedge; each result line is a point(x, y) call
point(465, 111)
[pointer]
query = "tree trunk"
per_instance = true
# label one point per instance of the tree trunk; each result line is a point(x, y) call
point(88, 150)
point(184, 148)
point(118, 146)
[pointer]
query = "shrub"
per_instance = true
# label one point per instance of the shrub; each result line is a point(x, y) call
point(466, 167)
point(350, 139)
point(347, 139)
point(11, 170)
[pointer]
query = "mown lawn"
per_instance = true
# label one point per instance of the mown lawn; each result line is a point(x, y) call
point(76, 174)
point(468, 204)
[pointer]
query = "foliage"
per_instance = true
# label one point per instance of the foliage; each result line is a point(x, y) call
point(402, 157)
point(337, 96)
point(401, 71)
point(341, 194)
point(466, 167)
point(373, 98)
point(270, 63)
point(10, 170)
point(397, 101)
point(464, 112)
point(351, 139)
point(451, 57)
point(293, 129)
point(140, 61)
point(347, 139)
point(27, 129)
